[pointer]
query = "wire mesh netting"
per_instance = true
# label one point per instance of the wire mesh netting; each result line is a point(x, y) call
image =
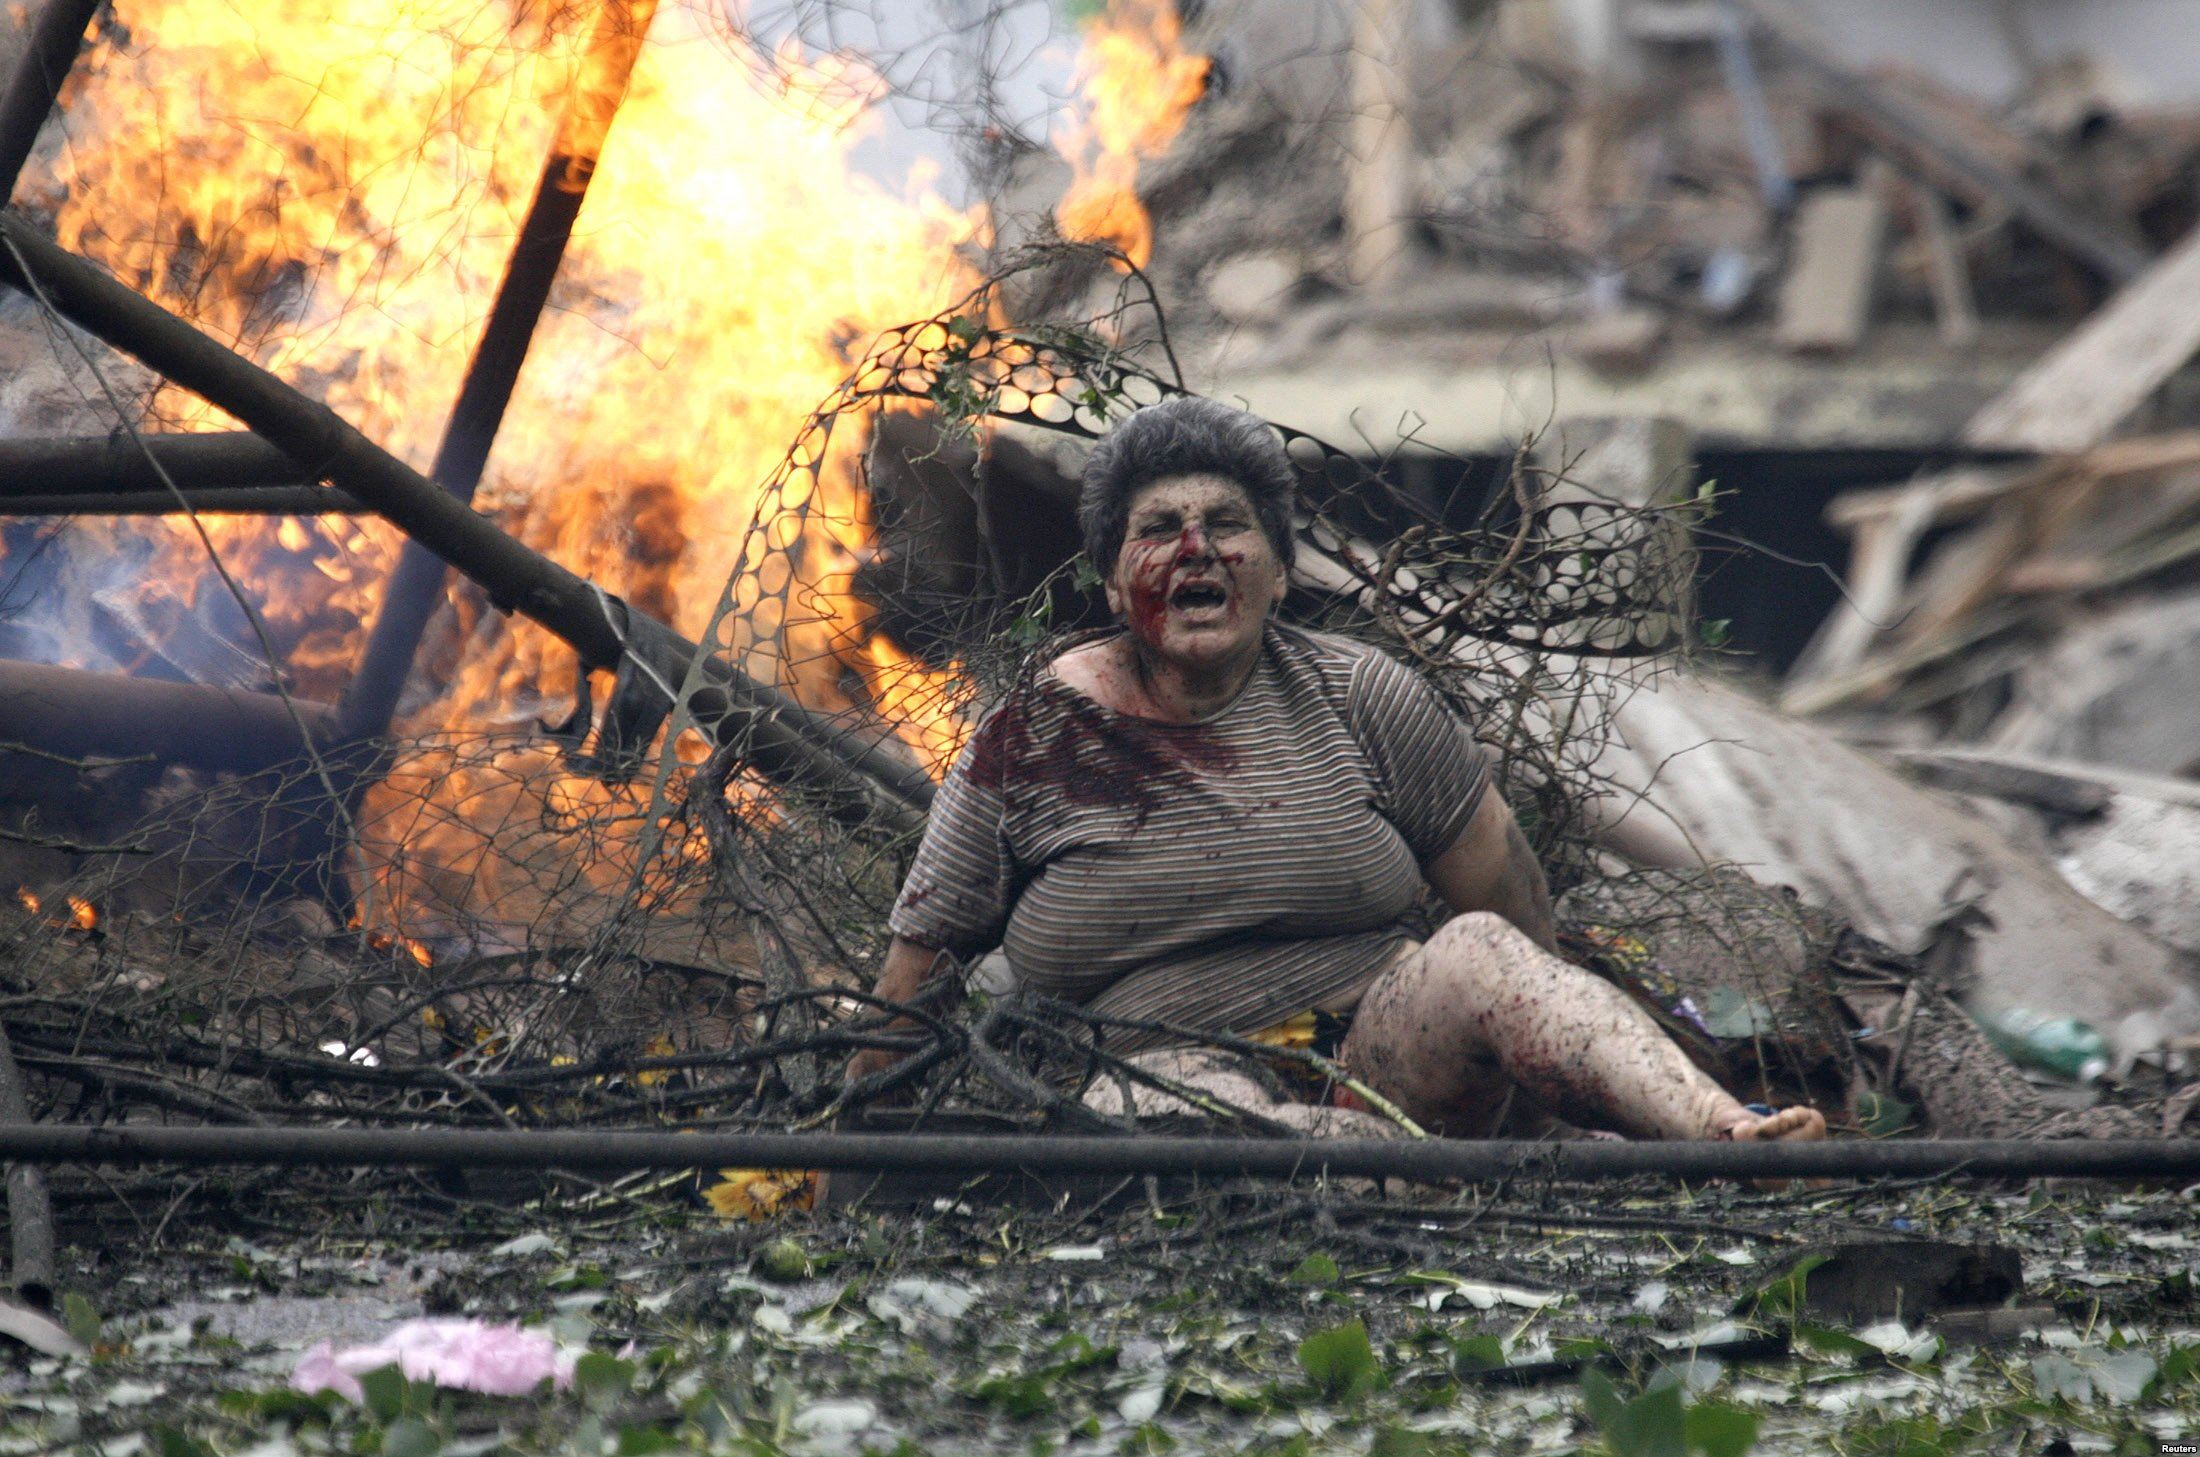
point(560, 926)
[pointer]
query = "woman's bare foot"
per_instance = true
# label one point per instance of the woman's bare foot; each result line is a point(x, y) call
point(1784, 1125)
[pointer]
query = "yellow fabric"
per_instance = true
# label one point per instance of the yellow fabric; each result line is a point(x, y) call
point(759, 1194)
point(1295, 1033)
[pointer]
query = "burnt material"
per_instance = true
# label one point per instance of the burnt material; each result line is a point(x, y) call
point(416, 586)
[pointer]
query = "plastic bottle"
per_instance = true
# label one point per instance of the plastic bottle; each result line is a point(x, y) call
point(2060, 1045)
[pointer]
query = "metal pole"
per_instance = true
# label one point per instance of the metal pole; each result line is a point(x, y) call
point(416, 585)
point(106, 715)
point(1430, 1161)
point(783, 739)
point(122, 463)
point(207, 501)
point(49, 54)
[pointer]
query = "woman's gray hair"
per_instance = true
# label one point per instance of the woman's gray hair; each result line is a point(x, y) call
point(1179, 436)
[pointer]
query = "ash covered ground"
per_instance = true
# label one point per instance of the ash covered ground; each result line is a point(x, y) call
point(1547, 1319)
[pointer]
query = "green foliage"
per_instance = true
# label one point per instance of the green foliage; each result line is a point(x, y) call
point(601, 1379)
point(1341, 1361)
point(80, 1318)
point(1031, 1393)
point(1315, 1269)
point(409, 1436)
point(1783, 1295)
point(1882, 1116)
point(1476, 1353)
point(278, 1404)
point(1396, 1441)
point(384, 1392)
point(1659, 1421)
point(170, 1441)
point(784, 1260)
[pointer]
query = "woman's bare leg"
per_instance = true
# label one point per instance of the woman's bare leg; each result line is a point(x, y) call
point(1218, 1075)
point(1481, 1011)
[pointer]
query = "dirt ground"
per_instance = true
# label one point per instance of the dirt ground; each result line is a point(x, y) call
point(1231, 1321)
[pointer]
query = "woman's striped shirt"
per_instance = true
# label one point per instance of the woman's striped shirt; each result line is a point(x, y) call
point(1222, 875)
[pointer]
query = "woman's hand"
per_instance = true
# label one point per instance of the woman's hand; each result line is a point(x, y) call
point(908, 968)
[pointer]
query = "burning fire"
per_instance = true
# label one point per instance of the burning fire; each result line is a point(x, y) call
point(1137, 83)
point(339, 198)
point(83, 915)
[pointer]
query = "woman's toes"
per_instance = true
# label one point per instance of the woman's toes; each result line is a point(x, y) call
point(1790, 1125)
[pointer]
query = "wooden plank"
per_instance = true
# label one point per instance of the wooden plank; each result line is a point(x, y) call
point(2084, 234)
point(1826, 298)
point(1954, 309)
point(2094, 380)
point(1878, 567)
point(1380, 174)
point(1956, 494)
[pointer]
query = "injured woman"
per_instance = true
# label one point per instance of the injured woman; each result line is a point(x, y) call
point(1206, 819)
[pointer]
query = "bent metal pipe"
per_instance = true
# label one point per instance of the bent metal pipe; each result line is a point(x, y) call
point(1425, 1161)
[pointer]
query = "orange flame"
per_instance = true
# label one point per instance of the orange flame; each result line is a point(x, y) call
point(1138, 83)
point(28, 898)
point(339, 199)
point(83, 915)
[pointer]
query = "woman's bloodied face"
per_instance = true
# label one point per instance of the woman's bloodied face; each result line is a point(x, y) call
point(1197, 577)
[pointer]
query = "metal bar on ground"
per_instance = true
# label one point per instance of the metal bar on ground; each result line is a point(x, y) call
point(416, 584)
point(1427, 1161)
point(49, 54)
point(205, 501)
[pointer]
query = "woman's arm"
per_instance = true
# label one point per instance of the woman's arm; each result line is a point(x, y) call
point(908, 968)
point(1490, 868)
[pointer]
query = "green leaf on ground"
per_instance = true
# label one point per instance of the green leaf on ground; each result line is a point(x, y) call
point(1882, 1116)
point(1717, 1429)
point(1477, 1353)
point(1653, 1424)
point(384, 1389)
point(80, 1318)
point(602, 1379)
point(410, 1437)
point(1341, 1361)
point(1315, 1269)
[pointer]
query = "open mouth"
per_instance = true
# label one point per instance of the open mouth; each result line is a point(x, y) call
point(1195, 595)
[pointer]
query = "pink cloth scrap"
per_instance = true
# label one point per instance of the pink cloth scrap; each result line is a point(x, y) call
point(463, 1354)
